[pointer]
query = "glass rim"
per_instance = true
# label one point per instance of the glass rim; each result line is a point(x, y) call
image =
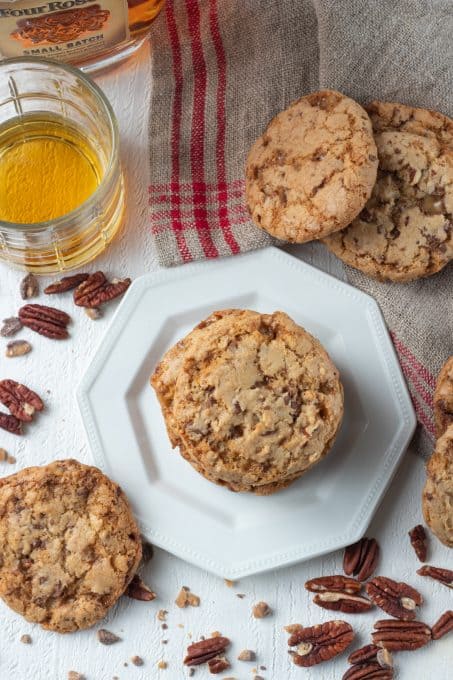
point(96, 196)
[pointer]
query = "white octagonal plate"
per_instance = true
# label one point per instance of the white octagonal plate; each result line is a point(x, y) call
point(233, 534)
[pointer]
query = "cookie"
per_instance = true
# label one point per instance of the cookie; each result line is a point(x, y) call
point(257, 402)
point(438, 492)
point(443, 398)
point(313, 169)
point(406, 229)
point(69, 544)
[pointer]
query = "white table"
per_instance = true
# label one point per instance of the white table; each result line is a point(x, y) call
point(58, 433)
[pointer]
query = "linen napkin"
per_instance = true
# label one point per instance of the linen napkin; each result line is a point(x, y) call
point(223, 68)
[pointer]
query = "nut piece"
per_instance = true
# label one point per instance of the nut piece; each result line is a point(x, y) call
point(46, 321)
point(443, 626)
point(94, 313)
point(186, 599)
point(397, 599)
point(162, 615)
point(444, 576)
point(218, 665)
point(11, 326)
point(200, 652)
point(398, 636)
point(17, 348)
point(246, 655)
point(21, 401)
point(363, 654)
point(29, 287)
point(66, 283)
point(260, 610)
point(137, 660)
point(418, 539)
point(293, 628)
point(361, 558)
point(25, 639)
point(138, 590)
point(73, 675)
point(321, 642)
point(339, 584)
point(96, 290)
point(106, 637)
point(366, 671)
point(343, 602)
point(10, 423)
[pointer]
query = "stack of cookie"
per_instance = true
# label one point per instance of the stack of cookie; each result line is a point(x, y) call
point(252, 400)
point(438, 491)
point(375, 184)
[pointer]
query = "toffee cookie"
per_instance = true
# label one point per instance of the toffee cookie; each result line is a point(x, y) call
point(406, 229)
point(313, 169)
point(438, 492)
point(256, 401)
point(443, 398)
point(69, 544)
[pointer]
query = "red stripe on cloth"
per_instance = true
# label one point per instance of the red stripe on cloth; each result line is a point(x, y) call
point(221, 127)
point(418, 395)
point(405, 351)
point(236, 184)
point(198, 124)
point(176, 128)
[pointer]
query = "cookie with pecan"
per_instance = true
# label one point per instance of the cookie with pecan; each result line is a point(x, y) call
point(438, 491)
point(443, 398)
point(69, 544)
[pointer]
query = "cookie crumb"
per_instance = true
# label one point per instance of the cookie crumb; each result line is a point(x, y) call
point(26, 639)
point(105, 637)
point(260, 610)
point(164, 626)
point(6, 458)
point(240, 595)
point(94, 313)
point(162, 665)
point(247, 655)
point(162, 615)
point(73, 675)
point(180, 625)
point(293, 628)
point(191, 672)
point(137, 660)
point(229, 583)
point(216, 633)
point(164, 642)
point(187, 599)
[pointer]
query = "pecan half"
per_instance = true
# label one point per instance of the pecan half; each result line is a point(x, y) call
point(343, 602)
point(365, 653)
point(65, 284)
point(29, 287)
point(218, 664)
point(97, 290)
point(368, 671)
point(17, 348)
point(321, 642)
point(398, 636)
point(418, 539)
point(443, 626)
point(200, 652)
point(440, 574)
point(10, 423)
point(21, 401)
point(361, 558)
point(397, 599)
point(138, 590)
point(11, 326)
point(46, 321)
point(340, 584)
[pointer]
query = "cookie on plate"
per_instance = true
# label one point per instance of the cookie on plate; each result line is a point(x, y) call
point(438, 492)
point(313, 169)
point(443, 398)
point(406, 229)
point(256, 401)
point(69, 544)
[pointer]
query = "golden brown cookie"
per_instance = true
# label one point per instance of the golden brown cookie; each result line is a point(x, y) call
point(406, 229)
point(257, 401)
point(313, 169)
point(69, 544)
point(443, 398)
point(438, 491)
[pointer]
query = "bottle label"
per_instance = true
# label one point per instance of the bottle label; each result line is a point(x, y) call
point(67, 30)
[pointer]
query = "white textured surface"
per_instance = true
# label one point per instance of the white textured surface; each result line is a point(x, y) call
point(57, 367)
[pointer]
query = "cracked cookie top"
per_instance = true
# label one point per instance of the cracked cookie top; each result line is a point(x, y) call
point(443, 398)
point(313, 169)
point(69, 544)
point(257, 400)
point(438, 491)
point(406, 229)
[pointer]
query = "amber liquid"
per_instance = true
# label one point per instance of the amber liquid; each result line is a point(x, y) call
point(141, 14)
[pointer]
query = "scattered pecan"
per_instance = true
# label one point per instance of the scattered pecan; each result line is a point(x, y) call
point(187, 599)
point(397, 599)
point(365, 653)
point(97, 290)
point(11, 326)
point(418, 539)
point(93, 313)
point(368, 671)
point(65, 284)
point(361, 558)
point(398, 636)
point(246, 655)
point(138, 590)
point(17, 348)
point(440, 574)
point(21, 401)
point(343, 602)
point(260, 610)
point(200, 652)
point(321, 642)
point(106, 637)
point(218, 664)
point(340, 584)
point(10, 423)
point(443, 626)
point(29, 287)
point(45, 320)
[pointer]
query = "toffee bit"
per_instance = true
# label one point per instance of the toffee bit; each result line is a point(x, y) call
point(229, 583)
point(162, 665)
point(261, 610)
point(29, 287)
point(137, 660)
point(26, 639)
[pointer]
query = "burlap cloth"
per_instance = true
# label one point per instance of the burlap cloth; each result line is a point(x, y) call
point(223, 68)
